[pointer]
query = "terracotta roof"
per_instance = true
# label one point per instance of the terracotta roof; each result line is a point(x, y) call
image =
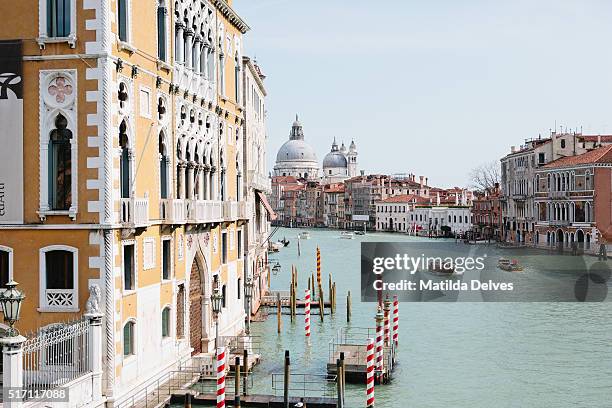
point(285, 180)
point(600, 155)
point(334, 188)
point(294, 187)
point(403, 198)
point(591, 138)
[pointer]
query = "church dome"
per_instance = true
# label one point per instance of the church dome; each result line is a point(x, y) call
point(335, 158)
point(296, 150)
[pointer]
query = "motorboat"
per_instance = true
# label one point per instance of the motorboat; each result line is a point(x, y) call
point(509, 265)
point(304, 235)
point(347, 235)
point(360, 233)
point(440, 269)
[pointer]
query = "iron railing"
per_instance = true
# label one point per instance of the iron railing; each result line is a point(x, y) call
point(56, 355)
point(305, 385)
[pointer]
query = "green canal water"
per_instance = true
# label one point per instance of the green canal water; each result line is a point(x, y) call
point(547, 354)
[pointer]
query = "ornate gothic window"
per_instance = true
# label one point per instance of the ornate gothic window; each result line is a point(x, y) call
point(60, 165)
point(164, 163)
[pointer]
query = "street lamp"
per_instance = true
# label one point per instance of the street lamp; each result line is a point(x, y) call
point(216, 298)
point(248, 293)
point(11, 299)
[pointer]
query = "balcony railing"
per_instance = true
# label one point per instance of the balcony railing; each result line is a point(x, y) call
point(203, 211)
point(134, 212)
point(230, 210)
point(558, 194)
point(259, 181)
point(172, 211)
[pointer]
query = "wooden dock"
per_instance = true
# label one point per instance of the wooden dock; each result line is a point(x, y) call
point(257, 401)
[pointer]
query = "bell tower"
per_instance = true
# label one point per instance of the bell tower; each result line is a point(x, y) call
point(352, 159)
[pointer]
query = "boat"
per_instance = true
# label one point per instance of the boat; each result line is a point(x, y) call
point(360, 233)
point(438, 268)
point(304, 235)
point(509, 265)
point(285, 242)
point(347, 235)
point(274, 247)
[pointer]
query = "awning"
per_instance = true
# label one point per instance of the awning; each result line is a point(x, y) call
point(266, 204)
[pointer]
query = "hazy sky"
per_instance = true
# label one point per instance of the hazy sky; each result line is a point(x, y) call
point(431, 87)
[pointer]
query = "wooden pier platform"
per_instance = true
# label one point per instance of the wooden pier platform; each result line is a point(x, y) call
point(257, 401)
point(355, 362)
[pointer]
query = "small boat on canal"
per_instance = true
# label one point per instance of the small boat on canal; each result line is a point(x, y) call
point(509, 265)
point(304, 235)
point(347, 235)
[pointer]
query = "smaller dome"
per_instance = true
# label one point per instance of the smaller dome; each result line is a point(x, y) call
point(335, 158)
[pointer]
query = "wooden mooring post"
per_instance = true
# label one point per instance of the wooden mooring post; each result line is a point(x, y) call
point(286, 380)
point(237, 382)
point(342, 376)
point(188, 397)
point(348, 307)
point(321, 303)
point(339, 383)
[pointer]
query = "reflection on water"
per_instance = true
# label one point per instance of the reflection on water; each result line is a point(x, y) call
point(451, 354)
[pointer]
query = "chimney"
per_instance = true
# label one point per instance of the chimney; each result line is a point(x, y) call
point(598, 140)
point(426, 183)
point(456, 199)
point(421, 181)
point(512, 149)
point(438, 198)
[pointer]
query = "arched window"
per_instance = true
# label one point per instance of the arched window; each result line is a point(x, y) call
point(122, 19)
point(60, 163)
point(161, 31)
point(124, 161)
point(221, 68)
point(165, 322)
point(164, 163)
point(58, 18)
point(58, 277)
point(128, 339)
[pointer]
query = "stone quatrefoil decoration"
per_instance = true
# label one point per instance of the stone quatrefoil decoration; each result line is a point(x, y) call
point(60, 89)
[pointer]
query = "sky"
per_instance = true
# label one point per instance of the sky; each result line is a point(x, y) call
point(431, 87)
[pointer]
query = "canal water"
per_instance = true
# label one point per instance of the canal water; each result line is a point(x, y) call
point(547, 354)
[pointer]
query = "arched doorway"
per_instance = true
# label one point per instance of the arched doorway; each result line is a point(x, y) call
point(560, 238)
point(196, 293)
point(580, 238)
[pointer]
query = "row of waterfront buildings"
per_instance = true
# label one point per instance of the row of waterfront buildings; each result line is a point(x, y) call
point(552, 191)
point(132, 174)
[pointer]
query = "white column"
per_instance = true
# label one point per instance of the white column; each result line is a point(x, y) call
point(197, 48)
point(12, 368)
point(201, 182)
point(181, 180)
point(178, 42)
point(95, 353)
point(188, 47)
point(190, 180)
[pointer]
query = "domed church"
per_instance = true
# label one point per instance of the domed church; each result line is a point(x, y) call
point(295, 157)
point(338, 164)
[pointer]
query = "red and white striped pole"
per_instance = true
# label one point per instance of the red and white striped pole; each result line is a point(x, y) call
point(379, 344)
point(221, 377)
point(370, 374)
point(395, 319)
point(387, 310)
point(307, 313)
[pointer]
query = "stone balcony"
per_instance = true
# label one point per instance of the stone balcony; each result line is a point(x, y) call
point(203, 211)
point(558, 194)
point(260, 182)
point(134, 212)
point(172, 211)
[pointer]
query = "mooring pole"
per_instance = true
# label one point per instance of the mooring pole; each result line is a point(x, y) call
point(237, 382)
point(245, 360)
point(348, 307)
point(339, 383)
point(188, 400)
point(343, 375)
point(286, 380)
point(321, 303)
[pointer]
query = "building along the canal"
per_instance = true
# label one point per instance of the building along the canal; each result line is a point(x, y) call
point(131, 177)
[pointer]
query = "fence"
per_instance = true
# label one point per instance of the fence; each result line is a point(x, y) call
point(56, 355)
